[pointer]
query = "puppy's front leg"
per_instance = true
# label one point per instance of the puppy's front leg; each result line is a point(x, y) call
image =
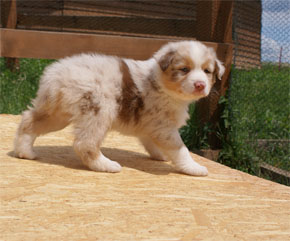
point(173, 147)
point(152, 149)
point(184, 162)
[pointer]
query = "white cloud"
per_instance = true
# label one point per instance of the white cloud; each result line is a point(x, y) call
point(271, 50)
point(270, 43)
point(275, 30)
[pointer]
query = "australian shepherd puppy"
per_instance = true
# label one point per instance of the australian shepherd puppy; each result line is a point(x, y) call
point(148, 99)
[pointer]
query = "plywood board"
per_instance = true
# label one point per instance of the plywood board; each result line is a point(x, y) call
point(56, 198)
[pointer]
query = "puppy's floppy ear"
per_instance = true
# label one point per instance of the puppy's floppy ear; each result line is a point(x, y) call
point(219, 69)
point(165, 60)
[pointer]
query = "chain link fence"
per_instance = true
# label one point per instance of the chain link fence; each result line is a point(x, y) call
point(259, 105)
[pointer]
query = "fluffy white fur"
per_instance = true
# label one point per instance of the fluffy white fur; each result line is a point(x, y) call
point(148, 99)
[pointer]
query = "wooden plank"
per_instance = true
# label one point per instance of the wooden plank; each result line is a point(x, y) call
point(204, 15)
point(214, 21)
point(52, 45)
point(107, 33)
point(9, 13)
point(56, 198)
point(245, 58)
point(222, 32)
point(177, 9)
point(253, 36)
point(250, 8)
point(245, 63)
point(40, 6)
point(275, 173)
point(115, 33)
point(249, 27)
point(157, 26)
point(248, 41)
point(247, 52)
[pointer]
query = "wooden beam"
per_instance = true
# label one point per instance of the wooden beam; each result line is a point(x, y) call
point(150, 26)
point(9, 20)
point(208, 109)
point(222, 32)
point(214, 21)
point(8, 13)
point(204, 20)
point(54, 45)
point(275, 174)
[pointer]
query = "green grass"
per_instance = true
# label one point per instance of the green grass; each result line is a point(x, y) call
point(18, 88)
point(258, 108)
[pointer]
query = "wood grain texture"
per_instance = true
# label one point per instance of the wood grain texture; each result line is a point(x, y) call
point(122, 25)
point(56, 198)
point(54, 45)
point(214, 19)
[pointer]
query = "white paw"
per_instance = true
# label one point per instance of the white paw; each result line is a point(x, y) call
point(23, 146)
point(103, 164)
point(114, 167)
point(25, 154)
point(193, 169)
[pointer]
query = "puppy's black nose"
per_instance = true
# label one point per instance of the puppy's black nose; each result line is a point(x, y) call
point(199, 85)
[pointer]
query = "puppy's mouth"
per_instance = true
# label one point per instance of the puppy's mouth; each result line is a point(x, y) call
point(194, 95)
point(199, 92)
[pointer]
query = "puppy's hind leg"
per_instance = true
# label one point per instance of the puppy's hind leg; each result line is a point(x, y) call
point(90, 130)
point(25, 137)
point(34, 123)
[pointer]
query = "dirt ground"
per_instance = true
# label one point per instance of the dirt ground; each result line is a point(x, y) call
point(56, 198)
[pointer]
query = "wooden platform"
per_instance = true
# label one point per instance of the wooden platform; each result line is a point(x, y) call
point(56, 198)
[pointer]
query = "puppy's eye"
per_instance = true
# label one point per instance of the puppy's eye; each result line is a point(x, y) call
point(185, 70)
point(207, 71)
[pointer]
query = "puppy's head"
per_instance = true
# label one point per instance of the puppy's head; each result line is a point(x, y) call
point(188, 69)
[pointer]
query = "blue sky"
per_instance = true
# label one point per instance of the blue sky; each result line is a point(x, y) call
point(275, 30)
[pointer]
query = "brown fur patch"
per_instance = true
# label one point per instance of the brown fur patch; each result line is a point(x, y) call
point(182, 61)
point(166, 60)
point(153, 83)
point(212, 75)
point(215, 73)
point(87, 104)
point(172, 76)
point(174, 72)
point(131, 102)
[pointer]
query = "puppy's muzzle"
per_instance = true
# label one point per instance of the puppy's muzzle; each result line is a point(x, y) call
point(199, 86)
